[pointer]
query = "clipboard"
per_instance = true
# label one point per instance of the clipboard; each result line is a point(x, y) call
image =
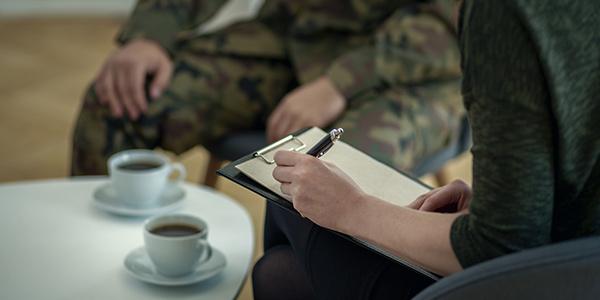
point(234, 174)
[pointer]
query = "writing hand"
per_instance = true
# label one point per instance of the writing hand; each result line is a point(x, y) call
point(320, 191)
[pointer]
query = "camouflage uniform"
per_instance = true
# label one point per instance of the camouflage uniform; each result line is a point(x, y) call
point(396, 62)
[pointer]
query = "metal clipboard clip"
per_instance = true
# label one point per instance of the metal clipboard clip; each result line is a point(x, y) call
point(290, 138)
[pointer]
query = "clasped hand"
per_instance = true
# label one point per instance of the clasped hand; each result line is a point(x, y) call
point(317, 103)
point(120, 83)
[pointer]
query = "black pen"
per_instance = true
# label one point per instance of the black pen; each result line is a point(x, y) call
point(325, 143)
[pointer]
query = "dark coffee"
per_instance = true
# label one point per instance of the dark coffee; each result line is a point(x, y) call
point(175, 230)
point(139, 165)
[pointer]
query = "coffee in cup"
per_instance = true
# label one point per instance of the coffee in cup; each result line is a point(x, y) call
point(176, 243)
point(175, 230)
point(139, 166)
point(139, 176)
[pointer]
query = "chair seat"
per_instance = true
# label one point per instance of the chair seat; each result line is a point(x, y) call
point(567, 270)
point(238, 145)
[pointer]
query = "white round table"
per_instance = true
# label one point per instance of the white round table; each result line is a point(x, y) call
point(56, 245)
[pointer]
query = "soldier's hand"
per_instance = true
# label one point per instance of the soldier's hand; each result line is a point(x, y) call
point(317, 103)
point(120, 82)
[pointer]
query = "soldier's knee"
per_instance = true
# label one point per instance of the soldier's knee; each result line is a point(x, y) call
point(91, 117)
point(91, 102)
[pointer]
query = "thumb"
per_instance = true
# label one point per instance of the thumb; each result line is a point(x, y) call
point(417, 203)
point(438, 200)
point(162, 76)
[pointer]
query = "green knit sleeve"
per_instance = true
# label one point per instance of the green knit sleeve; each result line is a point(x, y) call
point(507, 102)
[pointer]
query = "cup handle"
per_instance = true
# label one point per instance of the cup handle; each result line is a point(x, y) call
point(180, 169)
point(207, 253)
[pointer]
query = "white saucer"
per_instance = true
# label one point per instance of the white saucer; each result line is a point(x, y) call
point(106, 199)
point(139, 265)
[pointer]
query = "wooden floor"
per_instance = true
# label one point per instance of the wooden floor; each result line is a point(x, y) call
point(45, 65)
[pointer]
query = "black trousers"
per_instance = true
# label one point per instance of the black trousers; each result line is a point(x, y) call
point(303, 260)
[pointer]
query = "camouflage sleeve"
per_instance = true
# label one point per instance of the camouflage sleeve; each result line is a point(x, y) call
point(352, 73)
point(412, 46)
point(164, 20)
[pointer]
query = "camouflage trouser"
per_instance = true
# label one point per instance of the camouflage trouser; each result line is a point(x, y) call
point(209, 97)
point(214, 94)
point(401, 125)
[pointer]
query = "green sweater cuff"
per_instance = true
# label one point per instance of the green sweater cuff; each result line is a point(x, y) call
point(463, 249)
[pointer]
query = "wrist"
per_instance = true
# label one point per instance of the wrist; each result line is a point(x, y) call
point(333, 90)
point(359, 209)
point(146, 42)
point(147, 45)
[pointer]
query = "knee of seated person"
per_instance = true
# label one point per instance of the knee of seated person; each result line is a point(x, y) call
point(277, 275)
point(266, 268)
point(91, 103)
point(91, 118)
point(89, 137)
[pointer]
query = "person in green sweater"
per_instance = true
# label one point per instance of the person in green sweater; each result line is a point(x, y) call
point(531, 88)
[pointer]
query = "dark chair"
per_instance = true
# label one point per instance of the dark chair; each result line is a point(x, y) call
point(240, 144)
point(567, 270)
point(232, 148)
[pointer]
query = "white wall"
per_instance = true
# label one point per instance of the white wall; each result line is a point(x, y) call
point(235, 9)
point(64, 7)
point(232, 11)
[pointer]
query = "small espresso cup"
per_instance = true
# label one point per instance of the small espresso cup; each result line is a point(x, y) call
point(140, 176)
point(176, 243)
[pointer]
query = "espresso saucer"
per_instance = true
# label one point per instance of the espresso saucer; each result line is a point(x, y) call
point(105, 198)
point(139, 265)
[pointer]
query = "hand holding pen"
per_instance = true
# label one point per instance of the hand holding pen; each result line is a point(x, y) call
point(318, 190)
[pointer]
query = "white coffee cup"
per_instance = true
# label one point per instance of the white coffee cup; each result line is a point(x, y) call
point(141, 187)
point(176, 254)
